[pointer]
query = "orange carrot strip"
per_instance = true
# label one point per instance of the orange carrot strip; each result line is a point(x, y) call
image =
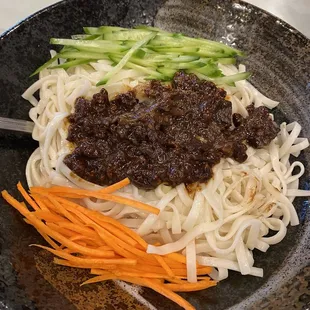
point(99, 195)
point(122, 244)
point(49, 240)
point(177, 257)
point(100, 271)
point(107, 276)
point(88, 242)
point(134, 274)
point(86, 231)
point(114, 187)
point(116, 232)
point(130, 202)
point(48, 216)
point(27, 197)
point(164, 265)
point(20, 207)
point(119, 234)
point(140, 275)
point(161, 289)
point(40, 201)
point(48, 231)
point(63, 211)
point(64, 262)
point(109, 261)
point(103, 220)
point(104, 235)
point(64, 231)
point(80, 193)
point(94, 214)
point(105, 248)
point(176, 280)
point(46, 237)
point(190, 287)
point(141, 267)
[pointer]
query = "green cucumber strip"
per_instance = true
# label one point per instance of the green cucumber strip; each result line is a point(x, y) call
point(149, 71)
point(83, 55)
point(163, 40)
point(203, 43)
point(230, 79)
point(176, 58)
point(72, 63)
point(184, 65)
point(212, 44)
point(102, 44)
point(162, 78)
point(140, 53)
point(210, 71)
point(226, 61)
point(124, 60)
point(46, 65)
point(84, 36)
point(102, 29)
point(174, 49)
point(134, 34)
point(212, 54)
point(200, 75)
point(142, 62)
point(167, 71)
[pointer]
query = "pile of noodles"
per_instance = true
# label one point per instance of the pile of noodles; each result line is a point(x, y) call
point(218, 224)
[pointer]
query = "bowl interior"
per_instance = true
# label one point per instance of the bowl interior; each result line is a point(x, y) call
point(278, 57)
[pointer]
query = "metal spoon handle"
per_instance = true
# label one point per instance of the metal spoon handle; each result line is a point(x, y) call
point(16, 125)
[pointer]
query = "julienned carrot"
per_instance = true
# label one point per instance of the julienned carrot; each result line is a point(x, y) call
point(107, 235)
point(131, 203)
point(117, 233)
point(114, 187)
point(64, 231)
point(90, 240)
point(99, 195)
point(86, 231)
point(52, 203)
point(158, 287)
point(77, 193)
point(51, 233)
point(114, 245)
point(102, 218)
point(27, 197)
point(113, 261)
point(48, 216)
point(164, 265)
point(190, 287)
point(107, 276)
point(64, 262)
point(40, 200)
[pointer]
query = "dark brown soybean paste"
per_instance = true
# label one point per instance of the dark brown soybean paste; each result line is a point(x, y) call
point(176, 135)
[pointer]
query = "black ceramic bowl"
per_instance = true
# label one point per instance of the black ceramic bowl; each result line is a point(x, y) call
point(278, 56)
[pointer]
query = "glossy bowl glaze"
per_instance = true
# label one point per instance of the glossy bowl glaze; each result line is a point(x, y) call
point(279, 58)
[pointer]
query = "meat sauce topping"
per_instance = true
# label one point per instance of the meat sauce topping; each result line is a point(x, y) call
point(176, 134)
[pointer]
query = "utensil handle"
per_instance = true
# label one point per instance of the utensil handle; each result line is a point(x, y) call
point(16, 125)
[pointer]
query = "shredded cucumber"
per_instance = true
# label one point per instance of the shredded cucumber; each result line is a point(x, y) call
point(152, 51)
point(72, 63)
point(122, 63)
point(133, 34)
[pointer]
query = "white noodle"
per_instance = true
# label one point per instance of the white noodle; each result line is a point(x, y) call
point(225, 220)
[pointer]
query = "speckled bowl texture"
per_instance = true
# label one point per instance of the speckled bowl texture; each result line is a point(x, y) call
point(279, 58)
